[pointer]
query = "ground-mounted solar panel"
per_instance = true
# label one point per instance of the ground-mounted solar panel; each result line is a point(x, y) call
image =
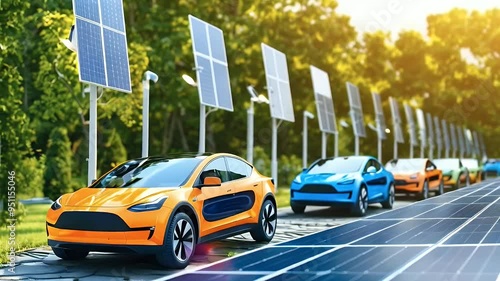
point(422, 129)
point(453, 137)
point(278, 84)
point(324, 101)
point(212, 70)
point(102, 44)
point(379, 116)
point(358, 122)
point(430, 129)
point(396, 120)
point(411, 125)
point(446, 135)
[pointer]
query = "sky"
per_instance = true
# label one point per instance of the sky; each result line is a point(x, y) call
point(397, 15)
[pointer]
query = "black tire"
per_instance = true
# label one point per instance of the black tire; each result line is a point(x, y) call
point(389, 203)
point(467, 180)
point(424, 194)
point(458, 184)
point(179, 243)
point(68, 254)
point(361, 205)
point(441, 188)
point(297, 208)
point(268, 219)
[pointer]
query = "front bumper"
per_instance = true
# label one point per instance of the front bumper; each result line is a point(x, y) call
point(92, 247)
point(405, 185)
point(322, 194)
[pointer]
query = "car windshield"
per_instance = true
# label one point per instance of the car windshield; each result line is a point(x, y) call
point(336, 166)
point(156, 172)
point(406, 165)
point(470, 163)
point(447, 163)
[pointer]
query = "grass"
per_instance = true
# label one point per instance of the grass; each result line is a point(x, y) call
point(30, 232)
point(283, 197)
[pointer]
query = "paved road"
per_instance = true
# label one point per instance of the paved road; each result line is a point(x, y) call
point(41, 264)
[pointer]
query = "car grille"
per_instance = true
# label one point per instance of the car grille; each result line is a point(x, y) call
point(318, 188)
point(400, 182)
point(93, 221)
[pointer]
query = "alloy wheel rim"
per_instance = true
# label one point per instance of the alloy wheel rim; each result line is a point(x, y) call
point(363, 202)
point(426, 190)
point(183, 241)
point(392, 195)
point(269, 220)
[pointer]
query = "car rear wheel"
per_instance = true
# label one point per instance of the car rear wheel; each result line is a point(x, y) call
point(297, 208)
point(179, 243)
point(424, 194)
point(68, 254)
point(361, 204)
point(268, 218)
point(389, 203)
point(441, 188)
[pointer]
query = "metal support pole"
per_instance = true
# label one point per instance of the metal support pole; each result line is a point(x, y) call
point(324, 140)
point(336, 148)
point(274, 153)
point(411, 150)
point(304, 141)
point(250, 116)
point(379, 149)
point(395, 148)
point(356, 145)
point(201, 145)
point(145, 118)
point(92, 168)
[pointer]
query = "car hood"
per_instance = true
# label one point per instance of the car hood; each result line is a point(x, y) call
point(112, 197)
point(404, 173)
point(306, 178)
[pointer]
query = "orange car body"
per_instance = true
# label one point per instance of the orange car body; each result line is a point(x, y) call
point(103, 219)
point(411, 175)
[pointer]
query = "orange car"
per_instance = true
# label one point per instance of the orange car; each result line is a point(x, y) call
point(164, 206)
point(418, 175)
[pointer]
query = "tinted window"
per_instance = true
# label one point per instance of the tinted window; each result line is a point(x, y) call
point(336, 165)
point(216, 168)
point(150, 173)
point(238, 169)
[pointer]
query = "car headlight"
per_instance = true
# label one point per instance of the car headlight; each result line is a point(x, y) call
point(414, 176)
point(297, 179)
point(149, 206)
point(57, 204)
point(351, 181)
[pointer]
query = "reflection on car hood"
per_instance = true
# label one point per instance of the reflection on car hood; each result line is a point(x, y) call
point(112, 197)
point(306, 178)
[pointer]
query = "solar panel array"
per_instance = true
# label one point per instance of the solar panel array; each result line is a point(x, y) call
point(324, 101)
point(358, 122)
point(396, 120)
point(422, 128)
point(430, 129)
point(211, 64)
point(482, 144)
point(379, 116)
point(461, 139)
point(446, 136)
point(411, 125)
point(102, 44)
point(453, 137)
point(439, 135)
point(278, 84)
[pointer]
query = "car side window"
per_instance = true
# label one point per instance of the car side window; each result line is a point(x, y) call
point(216, 168)
point(238, 169)
point(368, 164)
point(376, 164)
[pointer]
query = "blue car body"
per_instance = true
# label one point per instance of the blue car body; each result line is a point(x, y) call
point(492, 168)
point(338, 181)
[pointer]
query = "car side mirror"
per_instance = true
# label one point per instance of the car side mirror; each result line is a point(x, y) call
point(211, 181)
point(371, 170)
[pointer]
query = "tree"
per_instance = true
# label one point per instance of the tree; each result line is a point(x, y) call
point(58, 167)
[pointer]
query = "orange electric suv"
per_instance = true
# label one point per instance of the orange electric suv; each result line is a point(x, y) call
point(417, 175)
point(164, 206)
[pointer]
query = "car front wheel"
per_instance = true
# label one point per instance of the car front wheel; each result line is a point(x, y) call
point(389, 203)
point(361, 204)
point(441, 188)
point(268, 218)
point(424, 194)
point(297, 208)
point(179, 243)
point(68, 254)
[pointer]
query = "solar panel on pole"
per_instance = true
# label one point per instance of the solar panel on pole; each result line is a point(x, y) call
point(446, 138)
point(453, 138)
point(356, 110)
point(422, 130)
point(411, 125)
point(102, 44)
point(461, 141)
point(396, 120)
point(475, 139)
point(278, 84)
point(483, 146)
point(324, 101)
point(212, 70)
point(430, 134)
point(439, 136)
point(379, 116)
point(468, 141)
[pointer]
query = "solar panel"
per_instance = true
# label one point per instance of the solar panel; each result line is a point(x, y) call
point(356, 110)
point(102, 44)
point(461, 139)
point(475, 139)
point(453, 137)
point(379, 116)
point(422, 128)
point(396, 120)
point(482, 144)
point(430, 129)
point(411, 125)
point(278, 84)
point(439, 136)
point(324, 101)
point(446, 136)
point(468, 141)
point(212, 70)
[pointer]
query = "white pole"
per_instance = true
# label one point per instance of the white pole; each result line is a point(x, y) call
point(148, 75)
point(411, 150)
point(250, 116)
point(379, 149)
point(92, 169)
point(201, 145)
point(304, 141)
point(274, 153)
point(336, 148)
point(395, 147)
point(356, 145)
point(324, 140)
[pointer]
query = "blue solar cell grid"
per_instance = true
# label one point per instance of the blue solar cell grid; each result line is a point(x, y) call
point(211, 64)
point(396, 120)
point(356, 110)
point(379, 116)
point(102, 43)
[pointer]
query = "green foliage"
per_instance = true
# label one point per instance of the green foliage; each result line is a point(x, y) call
point(289, 167)
point(57, 174)
point(262, 161)
point(112, 152)
point(30, 177)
